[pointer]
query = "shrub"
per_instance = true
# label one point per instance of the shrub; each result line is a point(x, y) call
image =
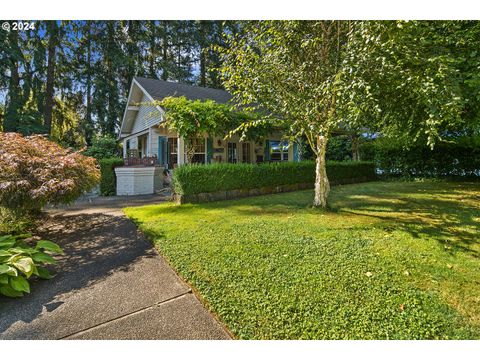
point(447, 159)
point(19, 261)
point(11, 222)
point(195, 179)
point(103, 148)
point(108, 183)
point(35, 171)
point(339, 148)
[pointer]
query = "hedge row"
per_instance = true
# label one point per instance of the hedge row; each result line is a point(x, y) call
point(461, 159)
point(196, 179)
point(108, 183)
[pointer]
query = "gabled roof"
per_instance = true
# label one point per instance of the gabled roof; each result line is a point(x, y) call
point(155, 89)
point(159, 89)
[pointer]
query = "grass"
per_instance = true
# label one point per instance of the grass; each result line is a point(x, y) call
point(391, 260)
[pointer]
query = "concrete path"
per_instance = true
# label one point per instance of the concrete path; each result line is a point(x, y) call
point(110, 284)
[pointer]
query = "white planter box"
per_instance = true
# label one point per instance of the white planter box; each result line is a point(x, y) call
point(140, 180)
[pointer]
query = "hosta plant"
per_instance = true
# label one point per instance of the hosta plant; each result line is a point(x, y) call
point(20, 261)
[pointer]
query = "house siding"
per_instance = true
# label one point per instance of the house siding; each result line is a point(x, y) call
point(147, 116)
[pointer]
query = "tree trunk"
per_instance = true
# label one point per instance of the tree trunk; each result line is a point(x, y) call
point(355, 150)
point(203, 67)
point(11, 122)
point(164, 52)
point(189, 150)
point(88, 115)
point(322, 186)
point(49, 91)
point(203, 58)
point(152, 56)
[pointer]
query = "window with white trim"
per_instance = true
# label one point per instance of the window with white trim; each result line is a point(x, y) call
point(278, 151)
point(200, 151)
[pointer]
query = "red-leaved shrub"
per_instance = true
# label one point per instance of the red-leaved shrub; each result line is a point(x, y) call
point(35, 171)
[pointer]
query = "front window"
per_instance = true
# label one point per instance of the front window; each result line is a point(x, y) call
point(278, 151)
point(172, 152)
point(199, 157)
point(246, 155)
point(232, 152)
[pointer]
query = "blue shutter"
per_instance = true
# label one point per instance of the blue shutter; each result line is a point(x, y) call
point(296, 157)
point(167, 161)
point(267, 150)
point(209, 150)
point(162, 150)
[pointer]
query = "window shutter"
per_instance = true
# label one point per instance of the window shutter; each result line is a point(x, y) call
point(162, 150)
point(267, 150)
point(167, 161)
point(209, 150)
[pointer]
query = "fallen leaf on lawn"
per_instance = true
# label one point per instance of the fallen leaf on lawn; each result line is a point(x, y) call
point(401, 307)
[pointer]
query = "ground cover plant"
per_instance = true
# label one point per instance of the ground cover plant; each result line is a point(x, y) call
point(393, 260)
point(19, 261)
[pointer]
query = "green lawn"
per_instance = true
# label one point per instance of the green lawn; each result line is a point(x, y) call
point(392, 260)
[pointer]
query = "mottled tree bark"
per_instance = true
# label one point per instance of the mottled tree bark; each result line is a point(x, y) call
point(322, 186)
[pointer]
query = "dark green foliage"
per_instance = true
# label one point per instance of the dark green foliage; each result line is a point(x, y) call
point(95, 62)
point(19, 261)
point(339, 148)
point(108, 184)
point(460, 159)
point(367, 150)
point(103, 147)
point(195, 179)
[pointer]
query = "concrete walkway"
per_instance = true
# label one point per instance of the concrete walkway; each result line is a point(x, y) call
point(110, 284)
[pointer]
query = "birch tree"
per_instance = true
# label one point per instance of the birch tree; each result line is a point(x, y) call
point(291, 71)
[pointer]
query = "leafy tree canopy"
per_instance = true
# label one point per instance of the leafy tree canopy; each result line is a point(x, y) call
point(415, 81)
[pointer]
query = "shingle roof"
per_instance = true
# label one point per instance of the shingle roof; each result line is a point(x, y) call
point(159, 89)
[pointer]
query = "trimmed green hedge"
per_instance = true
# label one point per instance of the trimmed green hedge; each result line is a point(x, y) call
point(196, 179)
point(447, 160)
point(108, 183)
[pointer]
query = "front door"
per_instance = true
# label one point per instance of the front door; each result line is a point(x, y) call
point(232, 152)
point(162, 151)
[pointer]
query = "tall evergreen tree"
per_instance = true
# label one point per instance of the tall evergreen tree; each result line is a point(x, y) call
point(53, 42)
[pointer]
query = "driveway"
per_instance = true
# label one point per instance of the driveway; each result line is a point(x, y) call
point(110, 284)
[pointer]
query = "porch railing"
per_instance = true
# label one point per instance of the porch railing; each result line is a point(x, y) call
point(144, 161)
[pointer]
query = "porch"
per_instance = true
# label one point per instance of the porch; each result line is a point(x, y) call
point(158, 146)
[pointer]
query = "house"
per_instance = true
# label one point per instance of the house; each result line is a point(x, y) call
point(147, 142)
point(142, 131)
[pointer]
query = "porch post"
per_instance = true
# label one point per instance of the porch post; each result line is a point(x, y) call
point(149, 149)
point(180, 151)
